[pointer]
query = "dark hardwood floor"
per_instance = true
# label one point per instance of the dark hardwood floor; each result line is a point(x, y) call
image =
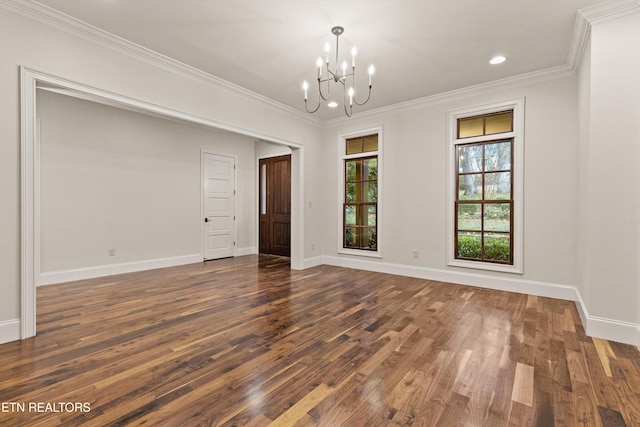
point(247, 341)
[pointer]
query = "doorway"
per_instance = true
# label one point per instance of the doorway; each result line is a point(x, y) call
point(275, 205)
point(30, 186)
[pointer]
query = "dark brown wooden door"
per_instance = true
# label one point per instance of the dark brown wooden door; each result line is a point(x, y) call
point(275, 205)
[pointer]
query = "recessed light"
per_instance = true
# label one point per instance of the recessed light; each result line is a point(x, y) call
point(497, 60)
point(332, 104)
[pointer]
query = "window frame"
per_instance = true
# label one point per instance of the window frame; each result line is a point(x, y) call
point(517, 166)
point(342, 158)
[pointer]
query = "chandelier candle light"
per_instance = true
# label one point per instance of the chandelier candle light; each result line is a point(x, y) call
point(336, 77)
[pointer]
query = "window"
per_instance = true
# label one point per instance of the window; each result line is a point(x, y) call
point(484, 203)
point(360, 194)
point(486, 187)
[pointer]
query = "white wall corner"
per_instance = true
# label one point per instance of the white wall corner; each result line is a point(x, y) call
point(10, 330)
point(609, 329)
point(595, 14)
point(313, 262)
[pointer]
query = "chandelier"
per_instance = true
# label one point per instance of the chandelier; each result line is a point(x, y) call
point(348, 91)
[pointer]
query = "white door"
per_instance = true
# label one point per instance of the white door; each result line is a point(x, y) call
point(219, 206)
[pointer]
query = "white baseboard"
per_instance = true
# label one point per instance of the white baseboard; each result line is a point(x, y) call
point(313, 262)
point(10, 330)
point(52, 277)
point(246, 251)
point(544, 289)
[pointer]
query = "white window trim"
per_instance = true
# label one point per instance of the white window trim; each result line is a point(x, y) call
point(342, 141)
point(518, 182)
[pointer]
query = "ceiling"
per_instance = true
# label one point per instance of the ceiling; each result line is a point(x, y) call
point(419, 47)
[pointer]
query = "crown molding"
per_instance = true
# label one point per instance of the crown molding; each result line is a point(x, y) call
point(609, 10)
point(44, 14)
point(466, 92)
point(593, 15)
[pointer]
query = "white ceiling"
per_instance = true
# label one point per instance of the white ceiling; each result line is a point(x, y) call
point(419, 47)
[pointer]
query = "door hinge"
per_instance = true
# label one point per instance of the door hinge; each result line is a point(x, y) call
point(234, 243)
point(234, 217)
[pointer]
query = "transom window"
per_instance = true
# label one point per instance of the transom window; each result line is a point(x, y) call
point(360, 204)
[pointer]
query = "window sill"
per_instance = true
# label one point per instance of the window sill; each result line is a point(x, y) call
point(486, 266)
point(369, 254)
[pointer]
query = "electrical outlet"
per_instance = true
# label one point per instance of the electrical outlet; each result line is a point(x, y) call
point(112, 252)
point(415, 253)
point(313, 246)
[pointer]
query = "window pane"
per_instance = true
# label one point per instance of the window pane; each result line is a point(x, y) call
point(370, 143)
point(470, 127)
point(350, 237)
point(371, 215)
point(497, 186)
point(497, 247)
point(470, 187)
point(369, 192)
point(497, 217)
point(370, 169)
point(497, 156)
point(351, 167)
point(470, 158)
point(354, 145)
point(469, 216)
point(498, 123)
point(469, 245)
point(350, 215)
point(350, 195)
point(372, 238)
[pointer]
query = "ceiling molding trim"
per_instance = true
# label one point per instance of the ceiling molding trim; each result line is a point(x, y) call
point(581, 33)
point(589, 16)
point(609, 10)
point(456, 94)
point(58, 20)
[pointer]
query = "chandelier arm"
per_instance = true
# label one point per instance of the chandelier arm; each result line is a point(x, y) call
point(350, 112)
point(311, 111)
point(365, 101)
point(325, 98)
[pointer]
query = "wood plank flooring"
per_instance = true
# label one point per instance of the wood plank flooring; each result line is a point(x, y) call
point(248, 342)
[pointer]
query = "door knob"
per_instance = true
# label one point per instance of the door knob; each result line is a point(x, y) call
point(206, 220)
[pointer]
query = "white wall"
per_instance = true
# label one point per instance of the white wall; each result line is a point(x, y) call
point(611, 151)
point(414, 183)
point(115, 179)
